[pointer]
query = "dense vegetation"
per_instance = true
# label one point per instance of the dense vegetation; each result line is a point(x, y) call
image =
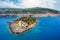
point(29, 20)
point(30, 10)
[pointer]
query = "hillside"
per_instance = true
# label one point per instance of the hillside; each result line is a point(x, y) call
point(30, 10)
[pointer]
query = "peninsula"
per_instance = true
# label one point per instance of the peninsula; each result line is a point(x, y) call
point(36, 12)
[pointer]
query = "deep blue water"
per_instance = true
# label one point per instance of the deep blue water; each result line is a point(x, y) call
point(47, 28)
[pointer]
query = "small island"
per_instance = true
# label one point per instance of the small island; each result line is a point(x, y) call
point(22, 24)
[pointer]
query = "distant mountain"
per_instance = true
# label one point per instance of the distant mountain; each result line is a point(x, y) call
point(28, 10)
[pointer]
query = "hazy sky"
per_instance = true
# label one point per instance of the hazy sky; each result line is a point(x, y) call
point(52, 4)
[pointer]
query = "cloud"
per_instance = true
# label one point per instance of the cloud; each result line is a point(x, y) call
point(28, 3)
point(38, 3)
point(7, 4)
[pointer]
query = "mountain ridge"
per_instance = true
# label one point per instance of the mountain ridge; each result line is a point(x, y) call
point(30, 10)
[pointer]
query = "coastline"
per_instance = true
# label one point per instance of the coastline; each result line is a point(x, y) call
point(30, 14)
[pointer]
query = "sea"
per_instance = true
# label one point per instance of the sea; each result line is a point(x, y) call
point(46, 28)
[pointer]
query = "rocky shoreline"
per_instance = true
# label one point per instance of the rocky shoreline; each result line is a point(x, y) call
point(11, 29)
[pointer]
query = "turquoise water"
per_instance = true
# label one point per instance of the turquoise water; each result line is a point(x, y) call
point(47, 28)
